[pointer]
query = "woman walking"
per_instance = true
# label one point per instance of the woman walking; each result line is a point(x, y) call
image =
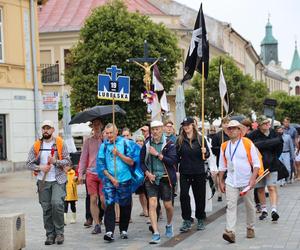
point(192, 173)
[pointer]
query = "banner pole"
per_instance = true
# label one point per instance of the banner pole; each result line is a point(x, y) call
point(222, 116)
point(114, 125)
point(202, 110)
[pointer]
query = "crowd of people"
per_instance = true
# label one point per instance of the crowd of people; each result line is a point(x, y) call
point(234, 155)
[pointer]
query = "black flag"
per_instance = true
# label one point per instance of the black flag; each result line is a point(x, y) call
point(198, 51)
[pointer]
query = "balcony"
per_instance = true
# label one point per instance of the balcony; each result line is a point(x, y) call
point(50, 73)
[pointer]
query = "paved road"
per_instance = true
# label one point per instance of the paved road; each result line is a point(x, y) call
point(18, 194)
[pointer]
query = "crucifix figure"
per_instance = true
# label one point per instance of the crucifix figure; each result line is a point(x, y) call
point(144, 62)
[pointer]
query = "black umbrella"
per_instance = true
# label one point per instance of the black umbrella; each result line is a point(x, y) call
point(96, 112)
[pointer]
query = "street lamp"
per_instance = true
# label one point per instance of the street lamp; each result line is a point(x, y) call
point(269, 109)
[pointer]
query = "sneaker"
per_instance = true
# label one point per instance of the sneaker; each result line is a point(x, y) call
point(60, 239)
point(155, 239)
point(229, 236)
point(50, 240)
point(109, 236)
point(88, 223)
point(97, 229)
point(169, 231)
point(275, 216)
point(250, 233)
point(186, 226)
point(200, 225)
point(263, 215)
point(124, 235)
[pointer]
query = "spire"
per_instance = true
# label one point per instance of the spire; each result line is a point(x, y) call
point(296, 60)
point(269, 39)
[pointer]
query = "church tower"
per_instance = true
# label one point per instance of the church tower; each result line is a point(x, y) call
point(269, 46)
point(294, 73)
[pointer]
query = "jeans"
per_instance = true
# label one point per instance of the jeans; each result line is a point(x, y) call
point(198, 183)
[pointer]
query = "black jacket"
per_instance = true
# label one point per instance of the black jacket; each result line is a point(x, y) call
point(190, 158)
point(269, 146)
point(216, 142)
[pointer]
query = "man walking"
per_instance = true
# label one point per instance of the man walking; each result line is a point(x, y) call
point(87, 164)
point(158, 158)
point(234, 158)
point(270, 146)
point(48, 158)
point(115, 159)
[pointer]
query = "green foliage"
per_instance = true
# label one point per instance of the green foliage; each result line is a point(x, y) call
point(244, 94)
point(110, 36)
point(286, 106)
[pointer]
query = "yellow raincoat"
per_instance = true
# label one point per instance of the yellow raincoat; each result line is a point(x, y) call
point(71, 186)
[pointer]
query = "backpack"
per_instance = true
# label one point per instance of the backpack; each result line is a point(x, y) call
point(57, 146)
point(137, 175)
point(247, 144)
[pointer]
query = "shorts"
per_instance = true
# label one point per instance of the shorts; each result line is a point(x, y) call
point(269, 180)
point(163, 191)
point(94, 184)
point(141, 189)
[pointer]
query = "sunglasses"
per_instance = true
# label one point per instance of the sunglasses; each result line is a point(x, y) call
point(233, 128)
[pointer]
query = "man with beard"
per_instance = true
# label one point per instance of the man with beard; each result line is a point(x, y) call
point(49, 158)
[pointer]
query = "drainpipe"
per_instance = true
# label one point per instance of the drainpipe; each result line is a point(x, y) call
point(34, 69)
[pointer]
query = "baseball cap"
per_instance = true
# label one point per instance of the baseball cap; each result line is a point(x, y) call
point(48, 123)
point(187, 121)
point(262, 119)
point(155, 124)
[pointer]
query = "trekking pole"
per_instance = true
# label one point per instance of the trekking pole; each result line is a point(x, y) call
point(246, 189)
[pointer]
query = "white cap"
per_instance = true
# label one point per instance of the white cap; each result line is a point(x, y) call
point(48, 123)
point(155, 124)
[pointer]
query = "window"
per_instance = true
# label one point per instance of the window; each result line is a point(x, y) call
point(2, 138)
point(297, 90)
point(1, 36)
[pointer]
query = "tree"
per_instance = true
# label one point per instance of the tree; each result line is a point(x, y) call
point(286, 106)
point(241, 89)
point(110, 36)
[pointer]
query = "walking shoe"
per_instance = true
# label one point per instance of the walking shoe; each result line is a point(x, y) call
point(109, 236)
point(169, 231)
point(186, 226)
point(229, 236)
point(97, 229)
point(200, 225)
point(275, 216)
point(250, 233)
point(124, 235)
point(155, 239)
point(263, 215)
point(50, 240)
point(88, 223)
point(60, 239)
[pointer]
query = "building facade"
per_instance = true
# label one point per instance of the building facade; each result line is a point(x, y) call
point(17, 109)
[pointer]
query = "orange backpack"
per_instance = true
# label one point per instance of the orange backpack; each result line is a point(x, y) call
point(247, 144)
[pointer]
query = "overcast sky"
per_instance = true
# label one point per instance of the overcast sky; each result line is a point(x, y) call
point(249, 18)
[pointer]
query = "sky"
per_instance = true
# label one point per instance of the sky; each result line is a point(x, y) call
point(249, 18)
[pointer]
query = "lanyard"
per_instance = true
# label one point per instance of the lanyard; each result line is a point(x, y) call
point(232, 155)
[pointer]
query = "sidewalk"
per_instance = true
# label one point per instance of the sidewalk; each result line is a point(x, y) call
point(18, 194)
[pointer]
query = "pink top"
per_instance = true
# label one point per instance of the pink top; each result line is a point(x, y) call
point(88, 156)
